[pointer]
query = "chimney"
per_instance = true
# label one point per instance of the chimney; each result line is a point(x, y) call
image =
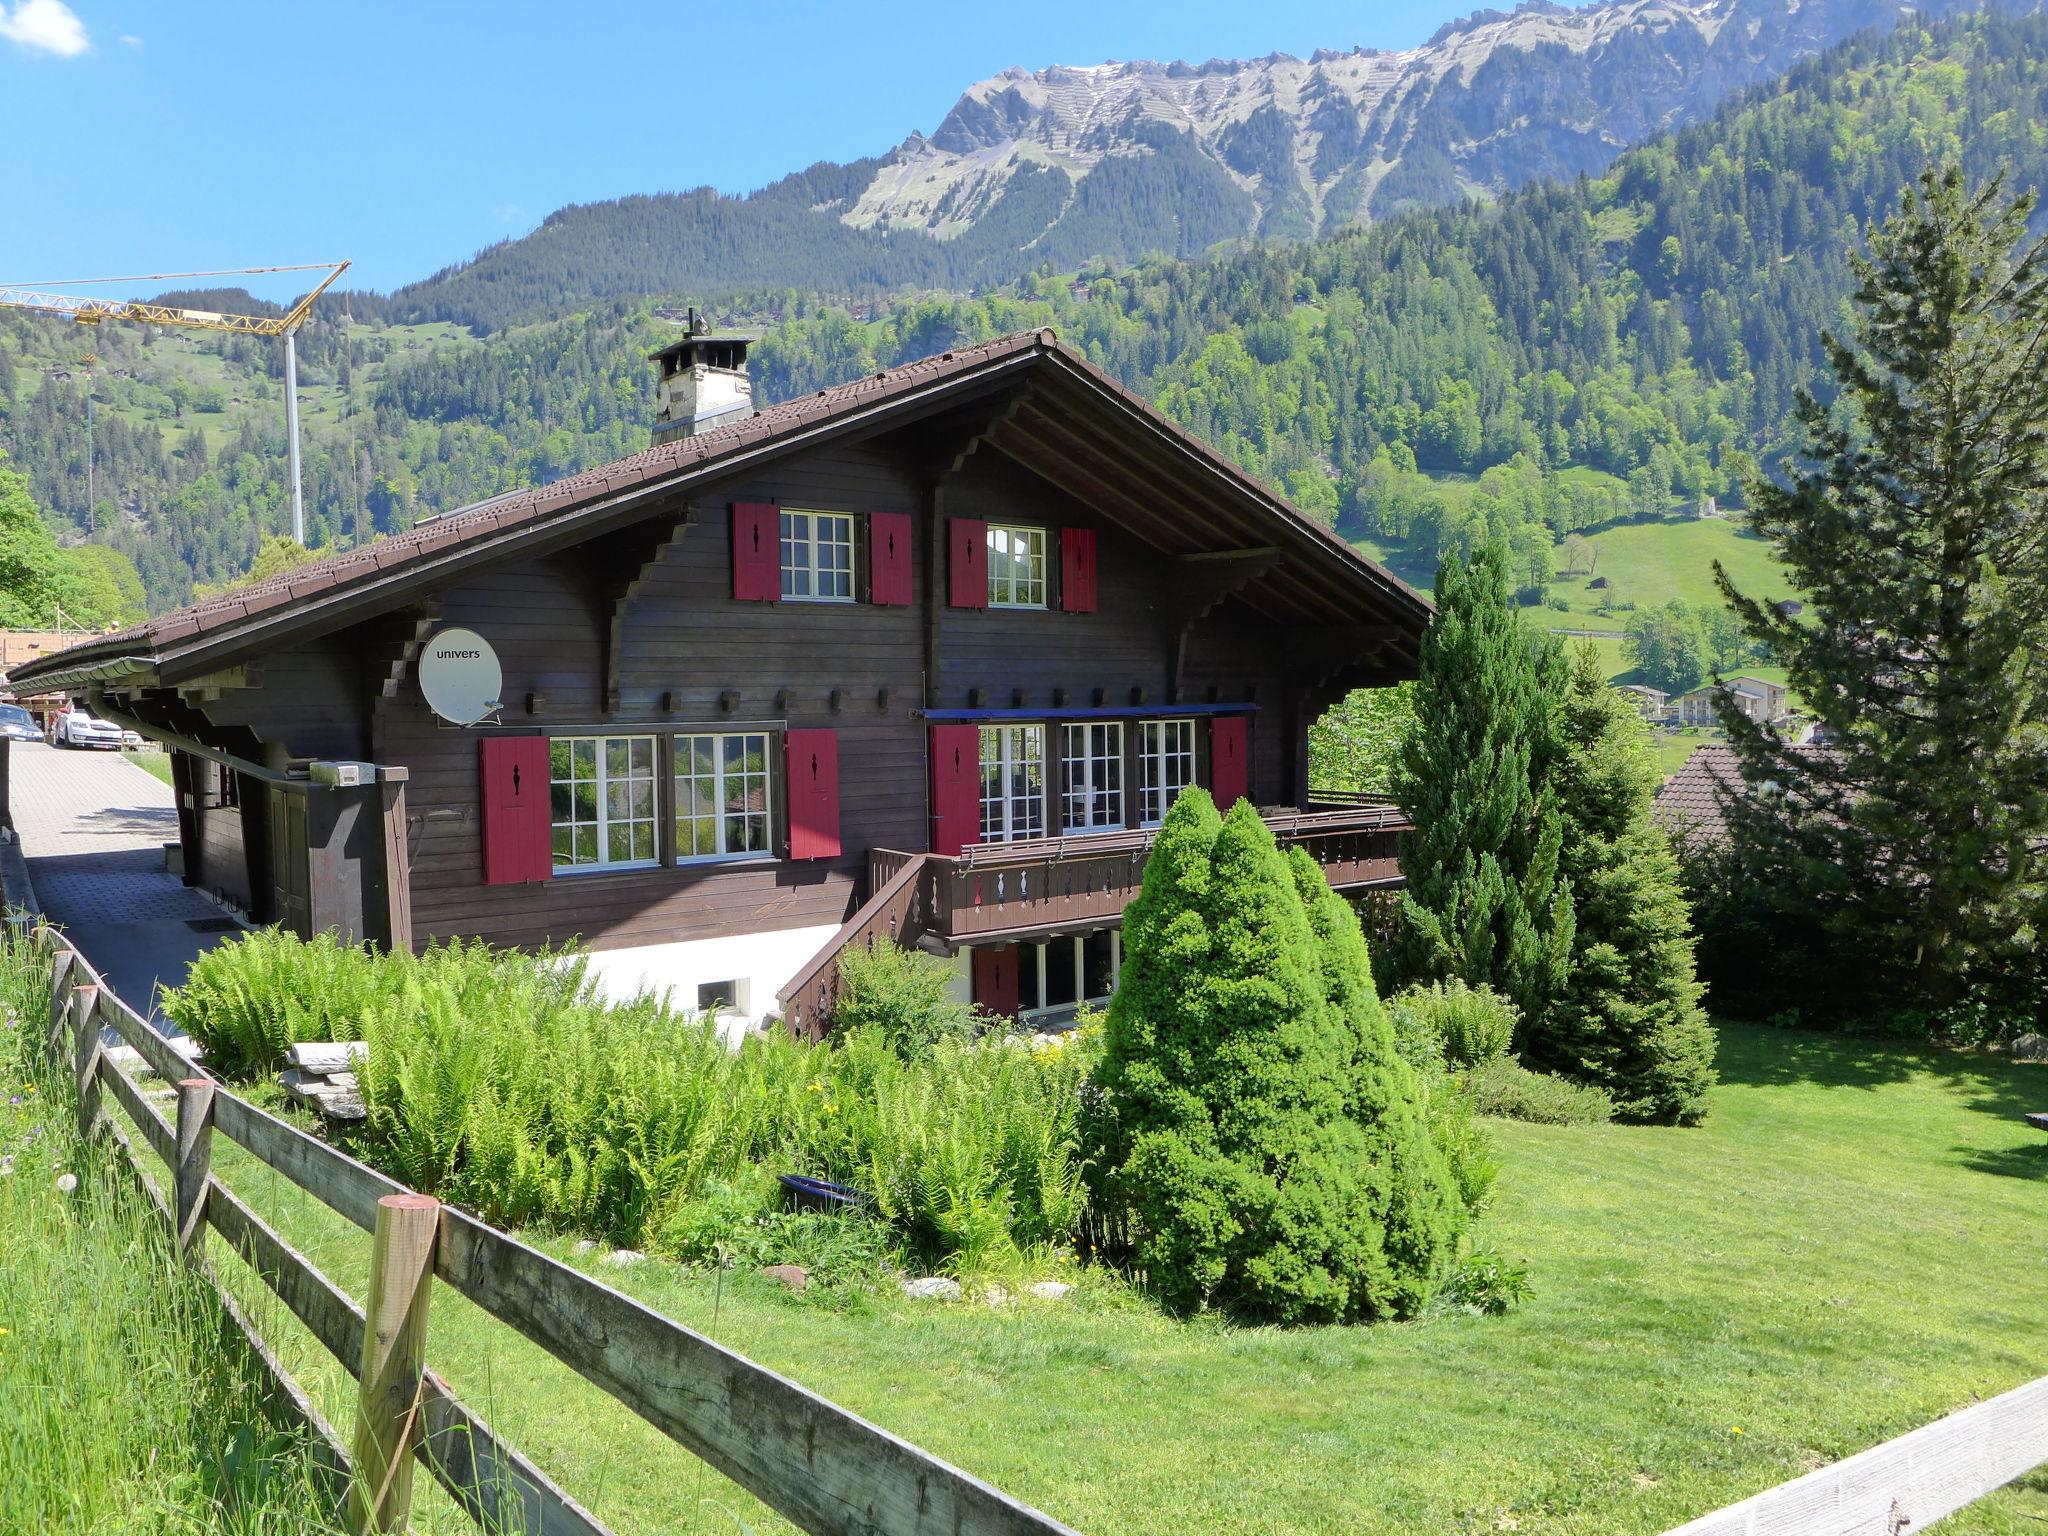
point(704, 383)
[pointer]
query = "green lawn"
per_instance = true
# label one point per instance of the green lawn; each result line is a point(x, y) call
point(1847, 1249)
point(156, 764)
point(1653, 563)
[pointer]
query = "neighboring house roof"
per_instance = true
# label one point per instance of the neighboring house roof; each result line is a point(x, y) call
point(1644, 690)
point(1075, 425)
point(1689, 806)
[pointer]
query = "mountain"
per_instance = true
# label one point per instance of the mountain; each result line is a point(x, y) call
point(1576, 352)
point(1115, 161)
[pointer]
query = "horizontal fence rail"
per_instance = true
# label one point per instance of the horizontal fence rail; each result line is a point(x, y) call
point(827, 1471)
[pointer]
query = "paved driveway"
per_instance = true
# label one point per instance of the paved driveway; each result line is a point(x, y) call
point(93, 828)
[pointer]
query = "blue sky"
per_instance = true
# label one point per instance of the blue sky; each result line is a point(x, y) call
point(151, 136)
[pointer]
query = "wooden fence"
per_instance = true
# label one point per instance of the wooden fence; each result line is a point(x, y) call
point(827, 1471)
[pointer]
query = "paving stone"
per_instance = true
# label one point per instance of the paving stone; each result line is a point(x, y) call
point(93, 827)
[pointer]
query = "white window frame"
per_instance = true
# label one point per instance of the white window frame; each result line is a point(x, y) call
point(604, 782)
point(1161, 744)
point(720, 815)
point(1036, 958)
point(1009, 761)
point(805, 534)
point(1015, 543)
point(1091, 782)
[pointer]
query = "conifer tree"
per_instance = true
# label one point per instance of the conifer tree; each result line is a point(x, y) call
point(1484, 899)
point(1917, 518)
point(1229, 1163)
point(1629, 1018)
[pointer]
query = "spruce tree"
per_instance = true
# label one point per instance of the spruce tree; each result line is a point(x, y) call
point(1484, 898)
point(1414, 1189)
point(1916, 516)
point(1629, 1018)
point(1228, 1162)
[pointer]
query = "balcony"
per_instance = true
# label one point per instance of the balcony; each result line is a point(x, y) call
point(999, 892)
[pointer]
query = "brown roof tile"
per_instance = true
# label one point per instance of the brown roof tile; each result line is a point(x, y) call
point(1689, 806)
point(444, 533)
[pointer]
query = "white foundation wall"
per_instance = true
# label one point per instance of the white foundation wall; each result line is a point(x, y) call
point(761, 963)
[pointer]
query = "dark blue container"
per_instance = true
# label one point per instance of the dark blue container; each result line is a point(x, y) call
point(807, 1194)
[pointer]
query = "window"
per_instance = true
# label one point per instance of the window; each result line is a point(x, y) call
point(716, 997)
point(1012, 782)
point(1055, 977)
point(817, 557)
point(1016, 567)
point(1166, 766)
point(1094, 792)
point(721, 795)
point(602, 792)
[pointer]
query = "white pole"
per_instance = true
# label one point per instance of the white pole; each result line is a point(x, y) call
point(291, 431)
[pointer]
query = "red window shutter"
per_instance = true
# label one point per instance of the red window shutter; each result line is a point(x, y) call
point(518, 836)
point(995, 979)
point(889, 580)
point(1229, 773)
point(1077, 570)
point(967, 562)
point(756, 552)
point(812, 758)
point(956, 787)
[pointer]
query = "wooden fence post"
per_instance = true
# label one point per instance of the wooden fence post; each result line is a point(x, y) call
point(195, 1159)
point(60, 1005)
point(388, 1404)
point(85, 1055)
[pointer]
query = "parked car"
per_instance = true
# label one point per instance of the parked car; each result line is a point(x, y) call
point(17, 724)
point(76, 728)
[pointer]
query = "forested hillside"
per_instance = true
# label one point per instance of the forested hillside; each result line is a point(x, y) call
point(1573, 353)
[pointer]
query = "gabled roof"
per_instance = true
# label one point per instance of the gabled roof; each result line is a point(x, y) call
point(1690, 805)
point(1066, 418)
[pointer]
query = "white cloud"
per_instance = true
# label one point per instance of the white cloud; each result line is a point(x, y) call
point(131, 39)
point(44, 26)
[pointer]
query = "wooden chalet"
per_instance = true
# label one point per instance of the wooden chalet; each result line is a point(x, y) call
point(922, 657)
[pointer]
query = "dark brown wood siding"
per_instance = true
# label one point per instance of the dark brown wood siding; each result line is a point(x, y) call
point(690, 658)
point(683, 655)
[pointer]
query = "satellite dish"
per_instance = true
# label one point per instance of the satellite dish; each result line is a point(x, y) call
point(460, 676)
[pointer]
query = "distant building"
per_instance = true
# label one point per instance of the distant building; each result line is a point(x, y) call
point(1654, 703)
point(1790, 608)
point(1756, 697)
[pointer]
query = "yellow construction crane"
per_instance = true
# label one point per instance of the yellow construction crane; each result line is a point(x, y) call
point(92, 311)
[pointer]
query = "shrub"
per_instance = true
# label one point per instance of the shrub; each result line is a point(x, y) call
point(1471, 1025)
point(248, 1002)
point(1485, 1284)
point(1506, 1088)
point(501, 1081)
point(903, 995)
point(1259, 1140)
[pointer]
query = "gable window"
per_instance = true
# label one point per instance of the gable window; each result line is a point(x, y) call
point(1012, 782)
point(601, 792)
point(1094, 764)
point(1016, 566)
point(1166, 766)
point(817, 557)
point(722, 795)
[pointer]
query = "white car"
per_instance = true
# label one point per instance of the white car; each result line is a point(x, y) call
point(76, 728)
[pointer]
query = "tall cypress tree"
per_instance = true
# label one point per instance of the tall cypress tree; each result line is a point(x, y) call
point(1917, 517)
point(1629, 1017)
point(1484, 898)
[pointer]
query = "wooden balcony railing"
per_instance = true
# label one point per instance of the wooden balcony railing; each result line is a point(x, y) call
point(1000, 891)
